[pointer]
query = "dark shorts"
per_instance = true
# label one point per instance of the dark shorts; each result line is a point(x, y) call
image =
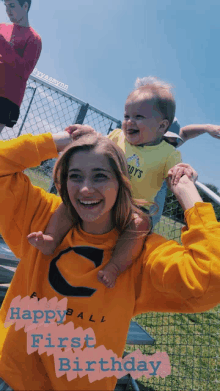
point(9, 112)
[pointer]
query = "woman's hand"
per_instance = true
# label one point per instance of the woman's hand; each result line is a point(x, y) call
point(78, 130)
point(180, 169)
point(71, 133)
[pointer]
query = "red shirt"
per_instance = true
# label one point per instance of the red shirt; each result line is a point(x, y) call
point(20, 48)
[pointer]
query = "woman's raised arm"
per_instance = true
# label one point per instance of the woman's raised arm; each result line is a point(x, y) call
point(21, 203)
point(61, 140)
point(182, 278)
point(182, 187)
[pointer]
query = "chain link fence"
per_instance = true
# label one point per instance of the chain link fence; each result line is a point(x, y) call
point(190, 340)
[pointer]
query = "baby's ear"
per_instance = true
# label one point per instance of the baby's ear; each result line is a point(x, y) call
point(164, 125)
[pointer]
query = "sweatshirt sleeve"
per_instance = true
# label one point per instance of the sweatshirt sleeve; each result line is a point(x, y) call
point(186, 278)
point(23, 65)
point(21, 203)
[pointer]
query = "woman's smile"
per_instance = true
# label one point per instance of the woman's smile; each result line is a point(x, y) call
point(93, 189)
point(89, 204)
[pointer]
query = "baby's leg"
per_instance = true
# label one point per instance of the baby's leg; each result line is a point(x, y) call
point(57, 228)
point(127, 249)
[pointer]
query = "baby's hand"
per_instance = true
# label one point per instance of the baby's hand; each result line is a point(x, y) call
point(176, 172)
point(214, 131)
point(44, 243)
point(78, 130)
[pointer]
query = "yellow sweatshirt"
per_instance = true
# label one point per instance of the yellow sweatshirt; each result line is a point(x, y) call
point(167, 277)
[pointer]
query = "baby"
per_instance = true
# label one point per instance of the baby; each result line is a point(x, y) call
point(149, 111)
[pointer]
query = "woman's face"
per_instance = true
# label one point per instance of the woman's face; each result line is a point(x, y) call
point(92, 188)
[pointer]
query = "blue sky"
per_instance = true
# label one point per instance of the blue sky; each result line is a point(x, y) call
point(100, 47)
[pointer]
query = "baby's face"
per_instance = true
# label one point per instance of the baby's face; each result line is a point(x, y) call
point(142, 123)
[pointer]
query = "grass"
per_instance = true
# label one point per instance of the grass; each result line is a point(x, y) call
point(38, 178)
point(192, 344)
point(192, 341)
point(169, 228)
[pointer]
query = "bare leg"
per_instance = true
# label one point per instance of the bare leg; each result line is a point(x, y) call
point(57, 228)
point(127, 249)
point(1, 127)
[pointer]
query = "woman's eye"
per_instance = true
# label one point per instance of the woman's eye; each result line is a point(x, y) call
point(139, 116)
point(75, 177)
point(126, 117)
point(100, 177)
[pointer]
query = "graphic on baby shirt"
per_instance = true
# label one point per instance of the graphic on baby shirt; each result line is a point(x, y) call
point(129, 159)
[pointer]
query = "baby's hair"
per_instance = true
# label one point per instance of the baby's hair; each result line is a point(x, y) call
point(162, 95)
point(152, 80)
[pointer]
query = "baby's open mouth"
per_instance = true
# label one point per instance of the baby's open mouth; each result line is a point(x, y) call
point(132, 131)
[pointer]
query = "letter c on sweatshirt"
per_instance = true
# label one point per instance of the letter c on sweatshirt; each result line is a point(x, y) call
point(59, 283)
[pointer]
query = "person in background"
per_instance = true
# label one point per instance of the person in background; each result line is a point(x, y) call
point(20, 48)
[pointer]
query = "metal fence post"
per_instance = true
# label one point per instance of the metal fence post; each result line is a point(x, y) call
point(119, 125)
point(80, 115)
point(208, 192)
point(52, 188)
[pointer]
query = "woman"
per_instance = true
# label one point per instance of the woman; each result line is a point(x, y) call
point(93, 182)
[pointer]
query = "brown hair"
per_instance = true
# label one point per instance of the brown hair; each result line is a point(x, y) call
point(124, 209)
point(21, 2)
point(162, 97)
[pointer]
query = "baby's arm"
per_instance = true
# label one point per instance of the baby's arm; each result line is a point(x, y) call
point(57, 228)
point(127, 249)
point(130, 244)
point(191, 131)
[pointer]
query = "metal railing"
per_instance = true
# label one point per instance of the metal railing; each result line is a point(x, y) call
point(191, 341)
point(214, 197)
point(45, 108)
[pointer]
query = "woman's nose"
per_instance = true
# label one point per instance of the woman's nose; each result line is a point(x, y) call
point(87, 186)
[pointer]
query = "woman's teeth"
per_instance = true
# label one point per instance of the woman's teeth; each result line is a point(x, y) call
point(89, 202)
